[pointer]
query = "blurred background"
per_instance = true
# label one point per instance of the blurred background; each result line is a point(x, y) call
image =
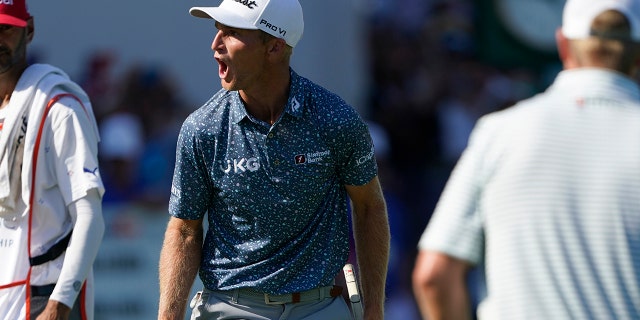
point(421, 72)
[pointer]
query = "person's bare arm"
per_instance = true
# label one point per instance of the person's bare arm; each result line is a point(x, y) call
point(179, 263)
point(371, 234)
point(439, 285)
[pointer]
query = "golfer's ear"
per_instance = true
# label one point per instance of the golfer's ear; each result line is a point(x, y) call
point(277, 45)
point(277, 50)
point(563, 45)
point(30, 29)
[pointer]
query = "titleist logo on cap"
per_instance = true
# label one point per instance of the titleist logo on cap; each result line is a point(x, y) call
point(249, 3)
point(6, 1)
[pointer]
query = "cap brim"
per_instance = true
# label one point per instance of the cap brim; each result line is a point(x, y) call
point(222, 16)
point(13, 21)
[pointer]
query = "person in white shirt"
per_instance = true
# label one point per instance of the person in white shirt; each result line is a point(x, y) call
point(51, 223)
point(547, 193)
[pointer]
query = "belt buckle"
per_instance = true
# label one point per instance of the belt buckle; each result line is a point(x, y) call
point(267, 299)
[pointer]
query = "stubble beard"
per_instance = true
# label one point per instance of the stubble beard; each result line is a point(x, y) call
point(8, 59)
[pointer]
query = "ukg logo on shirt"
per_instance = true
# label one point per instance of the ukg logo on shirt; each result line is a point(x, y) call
point(241, 165)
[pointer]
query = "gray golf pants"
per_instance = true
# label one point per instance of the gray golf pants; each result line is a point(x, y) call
point(234, 304)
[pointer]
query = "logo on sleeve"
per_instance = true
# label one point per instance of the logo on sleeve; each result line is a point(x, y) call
point(93, 172)
point(367, 157)
point(175, 191)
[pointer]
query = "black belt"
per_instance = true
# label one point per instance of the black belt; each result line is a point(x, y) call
point(42, 291)
point(55, 251)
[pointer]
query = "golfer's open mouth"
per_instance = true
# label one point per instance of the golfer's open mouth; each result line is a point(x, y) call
point(222, 68)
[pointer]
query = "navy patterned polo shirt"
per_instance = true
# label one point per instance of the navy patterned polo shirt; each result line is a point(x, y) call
point(275, 196)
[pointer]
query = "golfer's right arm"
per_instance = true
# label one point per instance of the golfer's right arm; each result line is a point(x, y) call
point(179, 263)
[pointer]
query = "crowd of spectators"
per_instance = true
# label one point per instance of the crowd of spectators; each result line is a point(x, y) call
point(139, 116)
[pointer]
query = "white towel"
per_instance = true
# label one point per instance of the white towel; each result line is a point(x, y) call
point(12, 144)
point(11, 152)
point(29, 100)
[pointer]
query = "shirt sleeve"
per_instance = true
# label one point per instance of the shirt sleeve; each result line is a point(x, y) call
point(456, 227)
point(357, 154)
point(190, 188)
point(73, 150)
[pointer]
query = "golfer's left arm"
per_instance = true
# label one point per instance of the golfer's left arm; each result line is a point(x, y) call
point(372, 236)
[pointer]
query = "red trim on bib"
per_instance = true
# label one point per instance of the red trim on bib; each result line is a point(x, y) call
point(83, 301)
point(34, 160)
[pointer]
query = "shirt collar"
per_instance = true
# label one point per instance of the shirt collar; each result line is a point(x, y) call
point(294, 105)
point(595, 79)
point(296, 96)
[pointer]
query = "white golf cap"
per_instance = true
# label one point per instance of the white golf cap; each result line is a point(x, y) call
point(279, 18)
point(578, 16)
